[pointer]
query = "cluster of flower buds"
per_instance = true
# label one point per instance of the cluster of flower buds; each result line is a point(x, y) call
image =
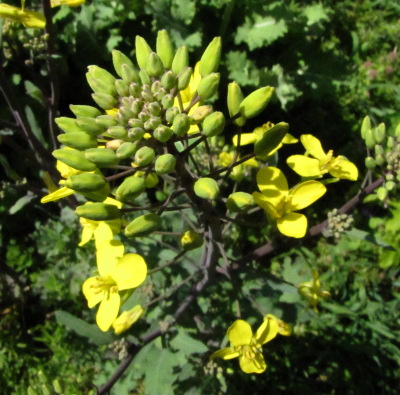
point(384, 155)
point(338, 224)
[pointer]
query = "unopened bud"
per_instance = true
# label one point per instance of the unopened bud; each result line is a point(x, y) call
point(90, 126)
point(181, 125)
point(200, 113)
point(214, 124)
point(144, 156)
point(370, 163)
point(106, 121)
point(239, 201)
point(209, 61)
point(77, 140)
point(382, 193)
point(369, 138)
point(366, 125)
point(162, 133)
point(136, 134)
point(75, 159)
point(154, 65)
point(165, 49)
point(143, 225)
point(119, 59)
point(167, 101)
point(84, 111)
point(206, 188)
point(126, 150)
point(98, 211)
point(181, 60)
point(379, 160)
point(101, 157)
point(122, 87)
point(85, 182)
point(105, 100)
point(144, 77)
point(165, 164)
point(168, 80)
point(117, 132)
point(380, 133)
point(142, 51)
point(271, 139)
point(171, 113)
point(184, 78)
point(67, 125)
point(254, 103)
point(208, 86)
point(235, 98)
point(130, 188)
point(191, 240)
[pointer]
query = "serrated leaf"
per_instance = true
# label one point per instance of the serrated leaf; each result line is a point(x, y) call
point(315, 13)
point(260, 31)
point(241, 69)
point(184, 343)
point(82, 328)
point(362, 235)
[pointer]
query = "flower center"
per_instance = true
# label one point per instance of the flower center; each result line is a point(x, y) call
point(104, 284)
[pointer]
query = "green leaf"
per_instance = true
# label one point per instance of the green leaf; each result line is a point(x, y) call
point(362, 235)
point(33, 91)
point(33, 123)
point(315, 13)
point(8, 169)
point(187, 344)
point(82, 328)
point(21, 202)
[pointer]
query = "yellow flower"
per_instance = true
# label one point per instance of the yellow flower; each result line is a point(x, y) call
point(117, 272)
point(100, 230)
point(28, 18)
point(322, 162)
point(126, 319)
point(312, 292)
point(257, 134)
point(70, 3)
point(280, 203)
point(247, 346)
point(225, 159)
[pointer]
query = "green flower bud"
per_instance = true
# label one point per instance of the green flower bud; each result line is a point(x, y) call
point(168, 80)
point(142, 51)
point(143, 225)
point(239, 201)
point(106, 121)
point(147, 97)
point(99, 195)
point(57, 386)
point(390, 185)
point(181, 124)
point(171, 113)
point(117, 132)
point(380, 133)
point(151, 180)
point(167, 101)
point(370, 163)
point(206, 188)
point(154, 108)
point(382, 193)
point(103, 75)
point(67, 125)
point(209, 62)
point(77, 140)
point(130, 188)
point(271, 139)
point(369, 138)
point(98, 211)
point(90, 126)
point(122, 87)
point(191, 240)
point(162, 133)
point(200, 113)
point(379, 150)
point(75, 159)
point(397, 131)
point(165, 49)
point(144, 156)
point(102, 157)
point(181, 60)
point(85, 182)
point(390, 142)
point(126, 150)
point(119, 59)
point(105, 101)
point(125, 114)
point(389, 177)
point(152, 123)
point(84, 111)
point(165, 164)
point(144, 77)
point(155, 86)
point(98, 86)
point(129, 74)
point(136, 134)
point(144, 116)
point(214, 124)
point(379, 160)
point(154, 65)
point(184, 78)
point(366, 125)
point(135, 123)
point(254, 103)
point(235, 98)
point(208, 86)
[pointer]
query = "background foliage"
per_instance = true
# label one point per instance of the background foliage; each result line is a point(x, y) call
point(332, 63)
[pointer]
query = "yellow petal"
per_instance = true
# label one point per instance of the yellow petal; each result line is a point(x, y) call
point(27, 17)
point(267, 331)
point(284, 329)
point(91, 292)
point(245, 139)
point(103, 232)
point(344, 169)
point(289, 139)
point(272, 183)
point(126, 319)
point(225, 158)
point(113, 202)
point(313, 146)
point(66, 170)
point(240, 333)
point(107, 255)
point(87, 233)
point(265, 204)
point(70, 3)
point(293, 225)
point(58, 194)
point(251, 163)
point(108, 310)
point(305, 194)
point(130, 271)
point(253, 365)
point(225, 353)
point(113, 112)
point(304, 166)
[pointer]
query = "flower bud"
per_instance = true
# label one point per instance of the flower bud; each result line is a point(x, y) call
point(114, 144)
point(214, 124)
point(143, 225)
point(96, 72)
point(171, 113)
point(152, 123)
point(129, 74)
point(154, 65)
point(151, 180)
point(119, 59)
point(271, 139)
point(168, 80)
point(67, 125)
point(165, 164)
point(366, 125)
point(98, 195)
point(191, 240)
point(379, 150)
point(154, 108)
point(126, 319)
point(254, 103)
point(167, 101)
point(379, 160)
point(126, 150)
point(105, 101)
point(369, 138)
point(144, 77)
point(390, 142)
point(101, 157)
point(181, 60)
point(106, 121)
point(397, 131)
point(75, 159)
point(184, 78)
point(200, 113)
point(122, 87)
point(181, 125)
point(206, 188)
point(165, 49)
point(235, 98)
point(239, 201)
point(382, 193)
point(162, 133)
point(84, 111)
point(125, 114)
point(144, 156)
point(90, 126)
point(390, 185)
point(208, 86)
point(98, 211)
point(135, 123)
point(136, 134)
point(77, 140)
point(380, 133)
point(370, 163)
point(142, 51)
point(130, 188)
point(209, 61)
point(85, 182)
point(117, 132)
